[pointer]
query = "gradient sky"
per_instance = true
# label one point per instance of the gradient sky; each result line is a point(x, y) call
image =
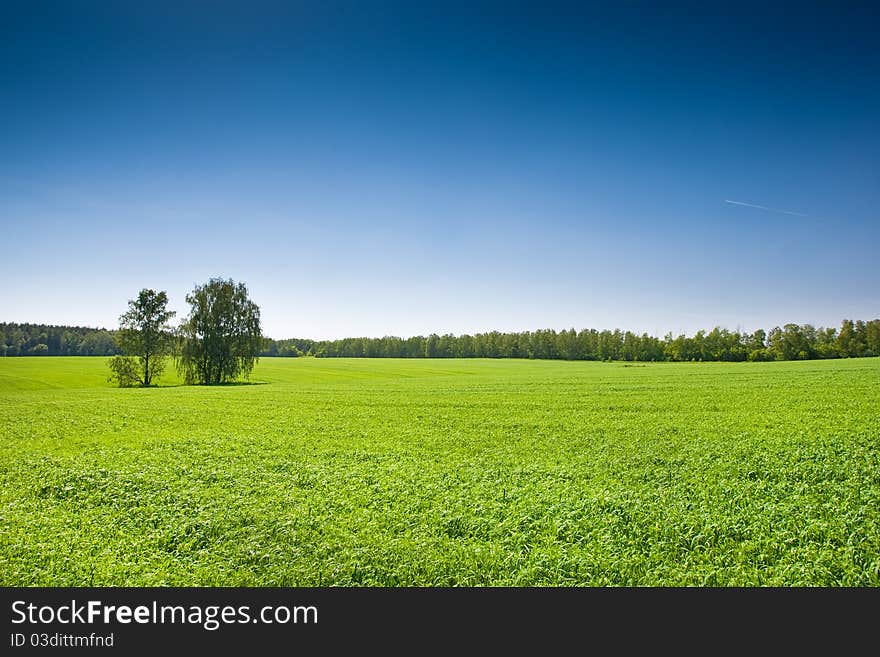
point(374, 169)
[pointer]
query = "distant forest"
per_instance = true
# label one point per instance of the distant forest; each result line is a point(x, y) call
point(42, 340)
point(854, 339)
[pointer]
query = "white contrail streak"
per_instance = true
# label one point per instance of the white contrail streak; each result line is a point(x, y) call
point(764, 207)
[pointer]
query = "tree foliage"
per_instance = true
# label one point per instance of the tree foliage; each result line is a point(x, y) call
point(25, 340)
point(221, 338)
point(791, 342)
point(854, 339)
point(144, 340)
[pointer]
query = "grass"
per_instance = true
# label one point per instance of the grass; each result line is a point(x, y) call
point(443, 472)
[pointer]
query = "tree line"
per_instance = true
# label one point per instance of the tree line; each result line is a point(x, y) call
point(854, 339)
point(49, 340)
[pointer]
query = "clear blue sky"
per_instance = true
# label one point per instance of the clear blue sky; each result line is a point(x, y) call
point(462, 167)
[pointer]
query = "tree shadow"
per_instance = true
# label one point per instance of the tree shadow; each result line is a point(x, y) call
point(228, 384)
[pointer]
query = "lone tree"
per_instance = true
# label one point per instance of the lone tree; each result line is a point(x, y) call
point(144, 340)
point(221, 338)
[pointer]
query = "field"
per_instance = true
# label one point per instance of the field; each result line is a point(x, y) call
point(443, 472)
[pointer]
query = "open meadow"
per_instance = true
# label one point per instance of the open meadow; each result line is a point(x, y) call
point(443, 472)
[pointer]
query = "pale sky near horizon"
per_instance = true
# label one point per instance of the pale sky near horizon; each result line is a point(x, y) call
point(391, 169)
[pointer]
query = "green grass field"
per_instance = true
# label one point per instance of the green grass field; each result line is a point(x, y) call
point(443, 472)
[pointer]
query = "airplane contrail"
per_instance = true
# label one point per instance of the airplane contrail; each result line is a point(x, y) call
point(764, 207)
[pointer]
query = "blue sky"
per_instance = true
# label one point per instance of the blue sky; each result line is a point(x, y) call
point(400, 169)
